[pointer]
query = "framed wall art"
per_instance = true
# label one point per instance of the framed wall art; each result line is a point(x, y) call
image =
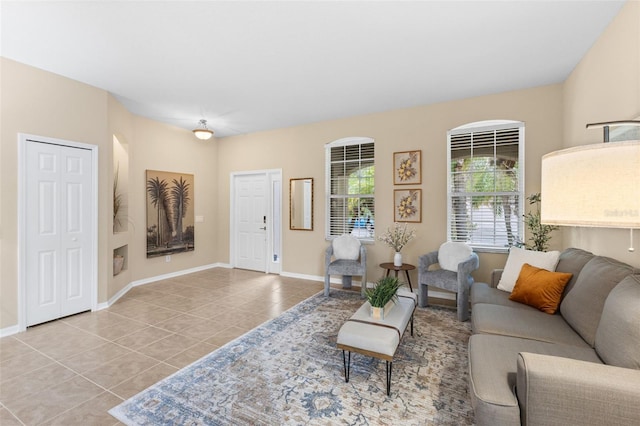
point(170, 213)
point(407, 168)
point(407, 205)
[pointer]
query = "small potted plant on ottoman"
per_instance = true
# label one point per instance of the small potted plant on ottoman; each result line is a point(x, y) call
point(382, 296)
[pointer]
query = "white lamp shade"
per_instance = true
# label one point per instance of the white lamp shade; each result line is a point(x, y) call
point(592, 185)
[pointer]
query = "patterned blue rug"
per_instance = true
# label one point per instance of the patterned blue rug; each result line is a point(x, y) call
point(289, 371)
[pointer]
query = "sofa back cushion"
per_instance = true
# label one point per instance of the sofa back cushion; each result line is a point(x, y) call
point(571, 261)
point(618, 334)
point(583, 304)
point(518, 257)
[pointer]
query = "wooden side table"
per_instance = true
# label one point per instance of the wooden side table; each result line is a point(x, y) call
point(406, 267)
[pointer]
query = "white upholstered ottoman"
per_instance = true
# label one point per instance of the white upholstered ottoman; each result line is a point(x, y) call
point(377, 338)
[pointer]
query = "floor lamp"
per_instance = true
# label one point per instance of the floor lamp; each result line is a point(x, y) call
point(593, 185)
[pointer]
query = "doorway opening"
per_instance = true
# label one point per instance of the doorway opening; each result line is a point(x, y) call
point(256, 221)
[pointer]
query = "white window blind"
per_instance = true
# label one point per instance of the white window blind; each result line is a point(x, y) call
point(350, 187)
point(486, 184)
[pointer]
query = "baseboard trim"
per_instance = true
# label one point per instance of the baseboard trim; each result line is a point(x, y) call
point(441, 295)
point(334, 280)
point(8, 331)
point(178, 273)
point(149, 280)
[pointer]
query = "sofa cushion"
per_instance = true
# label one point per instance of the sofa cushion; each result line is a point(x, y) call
point(540, 288)
point(493, 369)
point(618, 334)
point(527, 324)
point(518, 257)
point(582, 305)
point(484, 293)
point(572, 260)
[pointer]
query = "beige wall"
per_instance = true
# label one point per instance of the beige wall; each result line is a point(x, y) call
point(41, 103)
point(299, 151)
point(605, 86)
point(44, 104)
point(157, 146)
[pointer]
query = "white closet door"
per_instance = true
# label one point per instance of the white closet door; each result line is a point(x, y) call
point(58, 235)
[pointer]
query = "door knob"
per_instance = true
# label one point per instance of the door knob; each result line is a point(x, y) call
point(264, 228)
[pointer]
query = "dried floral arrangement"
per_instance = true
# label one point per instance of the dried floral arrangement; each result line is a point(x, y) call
point(397, 236)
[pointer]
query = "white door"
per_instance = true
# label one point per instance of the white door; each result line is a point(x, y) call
point(251, 201)
point(58, 238)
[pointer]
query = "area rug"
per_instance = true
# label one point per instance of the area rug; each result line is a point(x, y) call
point(289, 371)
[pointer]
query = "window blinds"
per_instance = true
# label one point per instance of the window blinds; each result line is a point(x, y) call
point(351, 194)
point(485, 185)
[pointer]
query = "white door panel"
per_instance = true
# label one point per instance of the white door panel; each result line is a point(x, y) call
point(58, 188)
point(47, 295)
point(251, 247)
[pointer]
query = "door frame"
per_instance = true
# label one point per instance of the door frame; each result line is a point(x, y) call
point(272, 176)
point(23, 140)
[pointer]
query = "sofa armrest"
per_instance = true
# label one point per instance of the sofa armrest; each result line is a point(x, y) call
point(363, 256)
point(426, 260)
point(328, 253)
point(496, 274)
point(561, 391)
point(467, 266)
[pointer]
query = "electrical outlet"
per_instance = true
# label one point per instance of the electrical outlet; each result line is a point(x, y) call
point(167, 258)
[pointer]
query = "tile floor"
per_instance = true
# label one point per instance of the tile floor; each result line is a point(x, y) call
point(73, 370)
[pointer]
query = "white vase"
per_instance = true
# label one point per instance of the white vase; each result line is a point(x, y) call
point(397, 259)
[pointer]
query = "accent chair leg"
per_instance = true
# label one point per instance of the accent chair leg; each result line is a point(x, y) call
point(326, 284)
point(346, 281)
point(423, 297)
point(363, 286)
point(347, 365)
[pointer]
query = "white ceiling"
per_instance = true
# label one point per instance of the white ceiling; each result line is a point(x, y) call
point(249, 66)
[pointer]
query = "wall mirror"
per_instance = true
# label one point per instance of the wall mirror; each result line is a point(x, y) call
point(301, 204)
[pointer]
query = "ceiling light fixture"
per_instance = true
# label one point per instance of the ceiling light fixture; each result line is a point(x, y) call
point(202, 132)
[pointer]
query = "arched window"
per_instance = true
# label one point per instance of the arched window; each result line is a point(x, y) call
point(485, 194)
point(350, 185)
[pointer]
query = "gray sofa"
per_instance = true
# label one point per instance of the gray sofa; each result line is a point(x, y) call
point(580, 366)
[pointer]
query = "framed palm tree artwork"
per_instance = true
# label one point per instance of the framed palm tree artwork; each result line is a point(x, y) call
point(170, 213)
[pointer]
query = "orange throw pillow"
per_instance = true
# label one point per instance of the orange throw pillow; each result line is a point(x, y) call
point(540, 288)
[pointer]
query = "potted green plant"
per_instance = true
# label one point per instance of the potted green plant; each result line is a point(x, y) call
point(117, 200)
point(540, 233)
point(382, 296)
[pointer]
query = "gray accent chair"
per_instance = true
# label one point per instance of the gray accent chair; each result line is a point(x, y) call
point(345, 267)
point(458, 282)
